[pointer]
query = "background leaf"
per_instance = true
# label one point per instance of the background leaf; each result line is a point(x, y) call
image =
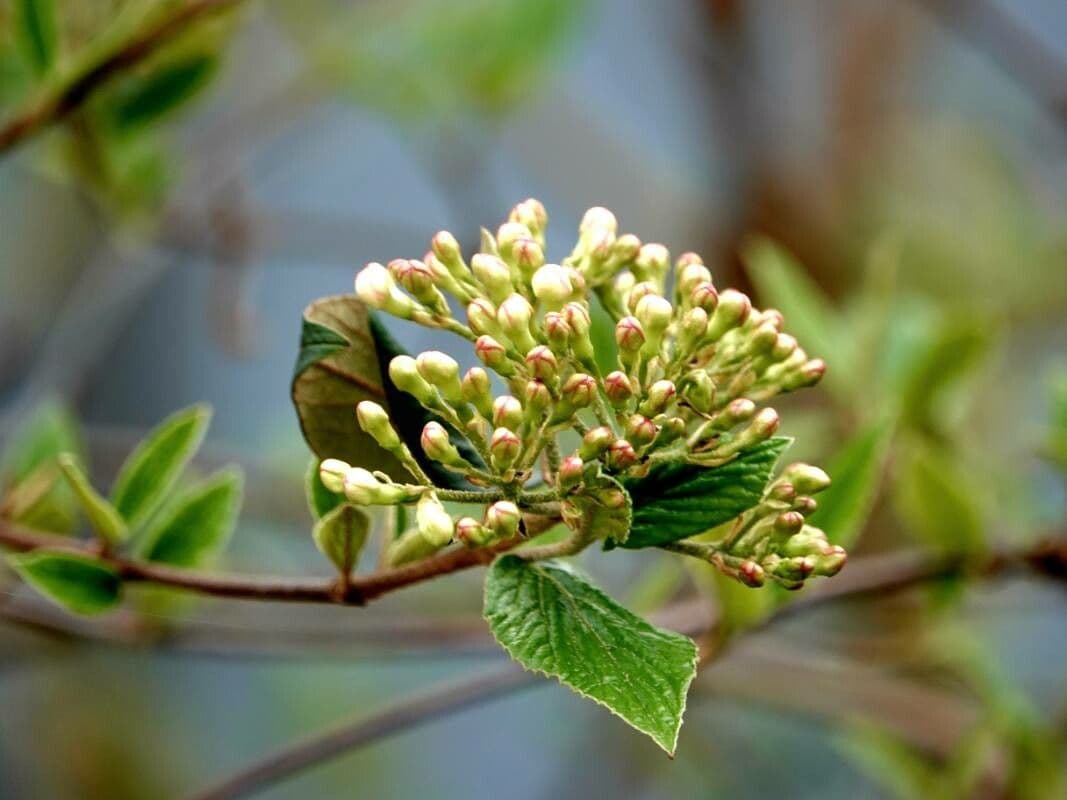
point(37, 33)
point(856, 471)
point(197, 523)
point(145, 99)
point(79, 583)
point(340, 536)
point(102, 516)
point(552, 621)
point(678, 500)
point(155, 465)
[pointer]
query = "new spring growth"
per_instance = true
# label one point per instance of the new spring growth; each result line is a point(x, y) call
point(696, 367)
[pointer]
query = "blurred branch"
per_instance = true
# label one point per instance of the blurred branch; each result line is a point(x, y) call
point(59, 102)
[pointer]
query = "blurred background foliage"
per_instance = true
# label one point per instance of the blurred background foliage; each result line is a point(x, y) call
point(891, 175)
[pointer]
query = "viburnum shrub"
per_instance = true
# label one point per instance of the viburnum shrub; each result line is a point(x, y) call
point(671, 445)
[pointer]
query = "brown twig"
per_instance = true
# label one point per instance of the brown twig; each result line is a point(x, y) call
point(55, 105)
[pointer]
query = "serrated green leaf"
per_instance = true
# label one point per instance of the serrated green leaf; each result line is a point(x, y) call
point(155, 465)
point(196, 524)
point(33, 494)
point(785, 285)
point(79, 583)
point(677, 500)
point(856, 470)
point(936, 501)
point(37, 34)
point(321, 501)
point(144, 99)
point(340, 536)
point(103, 517)
point(409, 418)
point(554, 622)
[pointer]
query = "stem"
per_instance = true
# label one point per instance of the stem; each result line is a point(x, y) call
point(572, 545)
point(471, 496)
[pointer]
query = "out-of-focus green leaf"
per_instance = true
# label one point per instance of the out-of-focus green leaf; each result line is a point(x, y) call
point(36, 33)
point(29, 472)
point(935, 500)
point(552, 621)
point(1057, 438)
point(783, 284)
point(197, 523)
point(856, 470)
point(145, 99)
point(428, 61)
point(675, 501)
point(409, 417)
point(891, 763)
point(78, 583)
point(321, 501)
point(155, 465)
point(958, 346)
point(340, 536)
point(103, 517)
point(602, 335)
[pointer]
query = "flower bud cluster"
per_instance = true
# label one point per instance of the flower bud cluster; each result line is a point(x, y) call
point(773, 541)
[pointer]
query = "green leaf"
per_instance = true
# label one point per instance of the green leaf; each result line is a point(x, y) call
point(340, 536)
point(677, 500)
point(785, 285)
point(552, 621)
point(409, 417)
point(103, 517)
point(337, 368)
point(144, 99)
point(1056, 446)
point(321, 501)
point(34, 496)
point(602, 507)
point(36, 33)
point(856, 470)
point(154, 467)
point(79, 583)
point(934, 498)
point(602, 335)
point(196, 524)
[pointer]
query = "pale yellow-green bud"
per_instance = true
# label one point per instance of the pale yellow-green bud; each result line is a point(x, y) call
point(493, 274)
point(504, 448)
point(806, 478)
point(477, 390)
point(442, 371)
point(571, 472)
point(493, 355)
point(514, 316)
point(507, 412)
point(542, 363)
point(433, 521)
point(361, 487)
point(375, 420)
point(437, 445)
point(552, 286)
point(507, 235)
point(376, 287)
point(659, 397)
point(502, 518)
point(481, 317)
point(652, 263)
point(732, 310)
point(598, 218)
point(529, 257)
point(654, 313)
point(472, 533)
point(332, 473)
point(404, 372)
point(639, 291)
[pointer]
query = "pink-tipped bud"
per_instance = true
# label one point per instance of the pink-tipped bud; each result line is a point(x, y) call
point(537, 399)
point(621, 455)
point(705, 296)
point(481, 317)
point(558, 332)
point(492, 353)
point(542, 363)
point(375, 420)
point(471, 532)
point(570, 472)
point(733, 309)
point(751, 574)
point(639, 291)
point(618, 388)
point(503, 518)
point(332, 474)
point(504, 448)
point(595, 442)
point(552, 286)
point(640, 430)
point(528, 255)
point(477, 390)
point(507, 412)
point(437, 445)
point(659, 398)
point(446, 248)
point(806, 478)
point(579, 390)
point(598, 218)
point(629, 334)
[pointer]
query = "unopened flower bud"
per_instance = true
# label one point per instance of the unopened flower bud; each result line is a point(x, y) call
point(640, 430)
point(595, 442)
point(687, 259)
point(537, 399)
point(477, 390)
point(808, 375)
point(552, 286)
point(542, 363)
point(504, 448)
point(507, 235)
point(437, 445)
point(472, 533)
point(639, 291)
point(788, 522)
point(579, 390)
point(414, 276)
point(805, 505)
point(492, 353)
point(751, 574)
point(705, 296)
point(529, 256)
point(577, 316)
point(557, 331)
point(762, 339)
point(598, 218)
point(652, 263)
point(782, 492)
point(699, 391)
point(692, 329)
point(514, 316)
point(621, 455)
point(659, 397)
point(806, 478)
point(446, 248)
point(570, 472)
point(442, 371)
point(671, 429)
point(375, 420)
point(507, 412)
point(332, 473)
point(784, 346)
point(830, 562)
point(629, 335)
point(737, 411)
point(376, 287)
point(481, 317)
point(690, 277)
point(655, 314)
point(493, 274)
point(764, 424)
point(433, 521)
point(618, 388)
point(808, 542)
point(732, 310)
point(503, 518)
point(625, 249)
point(361, 487)
point(404, 372)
